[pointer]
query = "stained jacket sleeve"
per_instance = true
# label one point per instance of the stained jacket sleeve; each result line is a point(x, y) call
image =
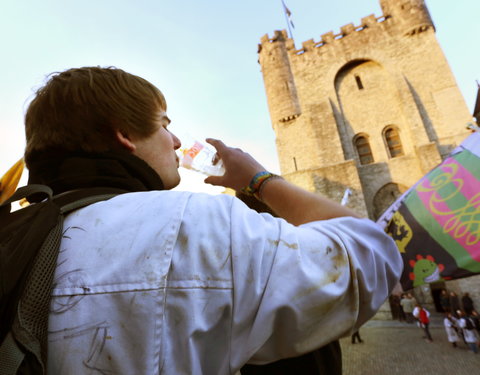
point(296, 288)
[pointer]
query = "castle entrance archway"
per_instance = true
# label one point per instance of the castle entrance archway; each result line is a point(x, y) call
point(386, 196)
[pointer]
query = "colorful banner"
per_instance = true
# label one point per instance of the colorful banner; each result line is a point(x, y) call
point(436, 224)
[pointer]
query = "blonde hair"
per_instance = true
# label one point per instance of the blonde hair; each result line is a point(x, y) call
point(80, 109)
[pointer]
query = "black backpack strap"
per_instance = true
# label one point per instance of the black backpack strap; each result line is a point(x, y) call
point(12, 354)
point(31, 321)
point(40, 192)
point(27, 191)
point(75, 199)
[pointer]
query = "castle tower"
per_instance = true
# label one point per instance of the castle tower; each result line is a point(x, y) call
point(371, 108)
point(411, 15)
point(281, 91)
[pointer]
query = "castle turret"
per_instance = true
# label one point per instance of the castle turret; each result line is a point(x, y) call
point(278, 78)
point(410, 16)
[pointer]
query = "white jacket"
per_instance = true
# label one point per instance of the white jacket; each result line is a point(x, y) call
point(470, 335)
point(169, 282)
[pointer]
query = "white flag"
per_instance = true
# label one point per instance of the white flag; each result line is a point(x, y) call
point(346, 195)
point(288, 13)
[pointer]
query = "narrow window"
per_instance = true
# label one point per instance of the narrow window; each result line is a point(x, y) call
point(295, 164)
point(359, 82)
point(394, 144)
point(364, 150)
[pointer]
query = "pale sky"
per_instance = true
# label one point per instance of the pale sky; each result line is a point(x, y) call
point(202, 54)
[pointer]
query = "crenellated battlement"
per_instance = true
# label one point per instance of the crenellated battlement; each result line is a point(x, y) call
point(348, 29)
point(404, 17)
point(278, 36)
point(328, 38)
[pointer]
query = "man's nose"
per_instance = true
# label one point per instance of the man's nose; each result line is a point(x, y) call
point(176, 142)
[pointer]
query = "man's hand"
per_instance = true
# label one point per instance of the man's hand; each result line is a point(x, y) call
point(240, 167)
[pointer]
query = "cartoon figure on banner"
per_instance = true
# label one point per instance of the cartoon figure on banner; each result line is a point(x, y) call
point(425, 270)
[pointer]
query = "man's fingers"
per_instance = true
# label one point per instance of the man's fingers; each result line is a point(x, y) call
point(214, 180)
point(218, 144)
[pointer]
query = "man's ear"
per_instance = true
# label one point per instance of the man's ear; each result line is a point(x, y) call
point(125, 141)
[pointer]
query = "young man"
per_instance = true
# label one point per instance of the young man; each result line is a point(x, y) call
point(451, 327)
point(467, 303)
point(469, 332)
point(159, 281)
point(423, 316)
point(408, 304)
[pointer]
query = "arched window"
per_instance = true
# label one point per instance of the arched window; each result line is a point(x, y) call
point(363, 149)
point(392, 140)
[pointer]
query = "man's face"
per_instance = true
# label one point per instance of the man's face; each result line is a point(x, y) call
point(158, 151)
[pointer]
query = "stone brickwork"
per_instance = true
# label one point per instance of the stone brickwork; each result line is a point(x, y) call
point(388, 72)
point(468, 285)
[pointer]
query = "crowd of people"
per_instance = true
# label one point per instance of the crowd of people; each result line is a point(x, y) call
point(461, 321)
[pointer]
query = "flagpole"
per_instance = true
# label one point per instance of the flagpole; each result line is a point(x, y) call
point(287, 19)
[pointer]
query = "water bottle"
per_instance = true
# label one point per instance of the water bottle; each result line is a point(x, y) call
point(200, 157)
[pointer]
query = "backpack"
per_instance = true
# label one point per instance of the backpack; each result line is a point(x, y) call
point(468, 323)
point(29, 244)
point(326, 360)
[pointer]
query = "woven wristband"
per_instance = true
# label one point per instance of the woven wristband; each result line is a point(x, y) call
point(257, 182)
point(258, 194)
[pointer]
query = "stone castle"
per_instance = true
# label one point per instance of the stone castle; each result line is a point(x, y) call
point(371, 108)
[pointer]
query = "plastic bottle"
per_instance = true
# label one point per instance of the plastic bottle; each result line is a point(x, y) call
point(200, 157)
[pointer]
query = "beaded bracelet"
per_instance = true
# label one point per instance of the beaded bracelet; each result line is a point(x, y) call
point(255, 186)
